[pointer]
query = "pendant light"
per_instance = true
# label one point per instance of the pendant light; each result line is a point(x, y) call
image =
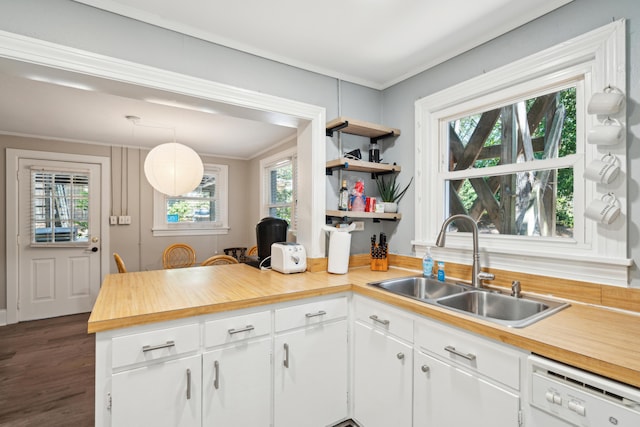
point(172, 168)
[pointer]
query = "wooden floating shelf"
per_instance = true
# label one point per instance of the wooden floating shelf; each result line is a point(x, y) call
point(362, 166)
point(362, 128)
point(364, 215)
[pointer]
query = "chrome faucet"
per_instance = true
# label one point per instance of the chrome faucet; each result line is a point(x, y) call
point(477, 276)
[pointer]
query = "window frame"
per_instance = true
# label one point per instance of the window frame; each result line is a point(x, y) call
point(205, 228)
point(597, 253)
point(265, 165)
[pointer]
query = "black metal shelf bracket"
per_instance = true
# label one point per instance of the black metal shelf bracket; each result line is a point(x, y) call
point(336, 128)
point(385, 136)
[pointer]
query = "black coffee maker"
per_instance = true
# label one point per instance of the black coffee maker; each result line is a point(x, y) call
point(268, 231)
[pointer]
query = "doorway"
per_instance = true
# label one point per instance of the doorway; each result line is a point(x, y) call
point(57, 236)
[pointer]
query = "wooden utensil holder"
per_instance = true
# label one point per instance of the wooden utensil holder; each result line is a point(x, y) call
point(379, 264)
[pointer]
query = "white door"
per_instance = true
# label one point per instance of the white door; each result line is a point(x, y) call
point(166, 394)
point(58, 236)
point(445, 396)
point(237, 385)
point(311, 388)
point(383, 379)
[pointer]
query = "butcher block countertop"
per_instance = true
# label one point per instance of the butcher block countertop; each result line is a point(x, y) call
point(600, 340)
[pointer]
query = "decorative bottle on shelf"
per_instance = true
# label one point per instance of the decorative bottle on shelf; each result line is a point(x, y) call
point(427, 264)
point(343, 197)
point(374, 152)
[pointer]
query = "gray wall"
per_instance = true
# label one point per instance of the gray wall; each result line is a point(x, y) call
point(572, 20)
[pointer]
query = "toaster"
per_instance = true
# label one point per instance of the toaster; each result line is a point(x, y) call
point(287, 257)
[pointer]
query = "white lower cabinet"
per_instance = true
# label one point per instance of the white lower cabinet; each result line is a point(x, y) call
point(311, 365)
point(160, 394)
point(236, 383)
point(447, 396)
point(383, 365)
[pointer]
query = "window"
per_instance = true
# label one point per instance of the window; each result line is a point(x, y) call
point(60, 207)
point(509, 149)
point(279, 186)
point(200, 212)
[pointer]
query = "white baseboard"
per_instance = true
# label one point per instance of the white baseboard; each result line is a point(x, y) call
point(3, 317)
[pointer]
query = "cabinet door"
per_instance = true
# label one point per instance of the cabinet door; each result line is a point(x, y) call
point(237, 385)
point(161, 394)
point(311, 389)
point(446, 396)
point(383, 379)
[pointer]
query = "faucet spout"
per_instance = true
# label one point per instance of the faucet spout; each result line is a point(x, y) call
point(475, 273)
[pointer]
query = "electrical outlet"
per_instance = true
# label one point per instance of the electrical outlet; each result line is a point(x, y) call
point(359, 225)
point(127, 220)
point(121, 219)
point(113, 220)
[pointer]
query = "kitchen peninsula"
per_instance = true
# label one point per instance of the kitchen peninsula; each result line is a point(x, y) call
point(135, 310)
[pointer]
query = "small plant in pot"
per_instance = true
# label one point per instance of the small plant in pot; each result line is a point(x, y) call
point(390, 192)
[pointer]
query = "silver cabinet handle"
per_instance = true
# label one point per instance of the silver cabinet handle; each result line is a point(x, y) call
point(245, 329)
point(286, 355)
point(453, 350)
point(168, 344)
point(425, 368)
point(216, 379)
point(319, 313)
point(188, 384)
point(400, 356)
point(375, 318)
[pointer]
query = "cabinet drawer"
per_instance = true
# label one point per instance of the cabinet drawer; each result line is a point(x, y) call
point(311, 313)
point(384, 317)
point(487, 357)
point(237, 328)
point(152, 345)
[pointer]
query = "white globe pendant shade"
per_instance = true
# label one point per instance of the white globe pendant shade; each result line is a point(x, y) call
point(173, 169)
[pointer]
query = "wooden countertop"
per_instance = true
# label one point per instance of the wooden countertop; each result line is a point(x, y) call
point(600, 340)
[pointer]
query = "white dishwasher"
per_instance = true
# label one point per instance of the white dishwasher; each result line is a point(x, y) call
point(565, 396)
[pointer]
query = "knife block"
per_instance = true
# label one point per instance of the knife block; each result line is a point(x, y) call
point(379, 264)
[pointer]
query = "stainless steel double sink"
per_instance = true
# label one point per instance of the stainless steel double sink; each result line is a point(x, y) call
point(480, 303)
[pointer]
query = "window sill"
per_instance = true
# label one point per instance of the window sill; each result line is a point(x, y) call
point(165, 232)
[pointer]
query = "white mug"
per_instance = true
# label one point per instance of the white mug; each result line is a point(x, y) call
point(610, 132)
point(604, 170)
point(606, 103)
point(604, 210)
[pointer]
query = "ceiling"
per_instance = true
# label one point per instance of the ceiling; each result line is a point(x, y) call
point(371, 42)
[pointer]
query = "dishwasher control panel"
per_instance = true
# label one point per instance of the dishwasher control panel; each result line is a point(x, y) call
point(581, 398)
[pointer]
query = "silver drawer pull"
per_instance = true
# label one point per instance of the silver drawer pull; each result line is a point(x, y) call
point(375, 318)
point(216, 380)
point(425, 368)
point(168, 344)
point(188, 384)
point(453, 350)
point(319, 313)
point(245, 329)
point(400, 356)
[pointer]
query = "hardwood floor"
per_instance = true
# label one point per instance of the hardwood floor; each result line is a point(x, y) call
point(47, 373)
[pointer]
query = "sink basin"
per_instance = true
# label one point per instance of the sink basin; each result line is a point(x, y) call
point(500, 308)
point(483, 304)
point(420, 287)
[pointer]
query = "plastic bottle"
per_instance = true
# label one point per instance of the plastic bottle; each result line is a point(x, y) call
point(343, 197)
point(441, 271)
point(427, 264)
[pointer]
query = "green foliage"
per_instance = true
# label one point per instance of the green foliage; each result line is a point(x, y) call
point(390, 190)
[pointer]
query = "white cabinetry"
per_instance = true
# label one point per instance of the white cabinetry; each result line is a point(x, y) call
point(310, 380)
point(383, 365)
point(156, 382)
point(236, 377)
point(462, 379)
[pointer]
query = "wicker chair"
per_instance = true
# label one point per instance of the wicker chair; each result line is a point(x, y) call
point(219, 260)
point(253, 251)
point(237, 253)
point(178, 255)
point(119, 263)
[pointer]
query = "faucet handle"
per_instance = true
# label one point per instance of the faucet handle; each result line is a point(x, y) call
point(483, 275)
point(516, 289)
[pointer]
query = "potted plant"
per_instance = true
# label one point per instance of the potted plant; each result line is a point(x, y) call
point(390, 192)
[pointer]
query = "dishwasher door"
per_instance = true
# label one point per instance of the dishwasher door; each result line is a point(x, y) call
point(561, 396)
